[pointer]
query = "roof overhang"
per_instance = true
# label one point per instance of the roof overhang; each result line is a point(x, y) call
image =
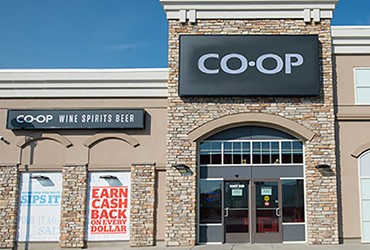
point(351, 39)
point(193, 10)
point(36, 83)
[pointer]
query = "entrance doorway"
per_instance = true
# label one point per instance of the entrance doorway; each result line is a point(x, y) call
point(251, 187)
point(236, 211)
point(252, 211)
point(266, 212)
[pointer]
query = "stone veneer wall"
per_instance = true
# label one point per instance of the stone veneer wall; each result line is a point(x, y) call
point(142, 214)
point(73, 207)
point(9, 189)
point(315, 113)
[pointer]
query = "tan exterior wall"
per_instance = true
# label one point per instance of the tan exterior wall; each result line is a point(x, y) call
point(74, 153)
point(345, 65)
point(106, 154)
point(160, 204)
point(353, 128)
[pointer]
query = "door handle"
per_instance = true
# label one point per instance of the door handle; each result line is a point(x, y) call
point(278, 212)
point(226, 212)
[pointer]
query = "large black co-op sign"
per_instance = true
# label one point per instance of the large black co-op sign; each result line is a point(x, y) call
point(76, 119)
point(249, 65)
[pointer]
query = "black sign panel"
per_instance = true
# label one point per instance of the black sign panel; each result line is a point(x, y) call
point(249, 65)
point(76, 119)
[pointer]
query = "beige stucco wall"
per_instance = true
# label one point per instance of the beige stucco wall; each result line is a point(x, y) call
point(353, 124)
point(345, 65)
point(110, 153)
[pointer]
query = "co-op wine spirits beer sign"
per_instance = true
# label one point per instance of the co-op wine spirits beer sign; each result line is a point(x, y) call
point(249, 65)
point(77, 119)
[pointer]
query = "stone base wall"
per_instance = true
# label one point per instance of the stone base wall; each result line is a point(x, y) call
point(188, 113)
point(142, 215)
point(9, 189)
point(73, 207)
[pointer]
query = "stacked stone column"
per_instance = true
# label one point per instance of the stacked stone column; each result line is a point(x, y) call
point(9, 188)
point(142, 215)
point(73, 207)
point(188, 113)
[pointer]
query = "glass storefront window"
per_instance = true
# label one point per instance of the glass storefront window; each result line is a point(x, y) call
point(256, 155)
point(246, 153)
point(362, 86)
point(210, 153)
point(286, 152)
point(275, 153)
point(293, 201)
point(292, 152)
point(228, 152)
point(237, 153)
point(297, 152)
point(210, 201)
point(251, 152)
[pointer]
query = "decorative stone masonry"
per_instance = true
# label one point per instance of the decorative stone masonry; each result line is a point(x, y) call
point(142, 214)
point(73, 209)
point(314, 113)
point(9, 187)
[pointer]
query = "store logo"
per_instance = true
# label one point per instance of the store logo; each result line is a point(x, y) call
point(290, 60)
point(30, 119)
point(249, 65)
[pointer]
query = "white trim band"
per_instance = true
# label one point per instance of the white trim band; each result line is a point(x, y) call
point(351, 39)
point(84, 83)
point(192, 10)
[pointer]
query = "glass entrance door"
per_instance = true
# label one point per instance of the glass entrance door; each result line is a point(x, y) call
point(266, 213)
point(236, 212)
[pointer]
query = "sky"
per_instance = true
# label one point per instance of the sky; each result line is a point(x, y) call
point(40, 34)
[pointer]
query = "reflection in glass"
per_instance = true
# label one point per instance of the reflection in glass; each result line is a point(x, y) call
point(210, 153)
point(228, 152)
point(267, 201)
point(237, 221)
point(246, 154)
point(236, 201)
point(210, 201)
point(256, 149)
point(293, 201)
point(251, 152)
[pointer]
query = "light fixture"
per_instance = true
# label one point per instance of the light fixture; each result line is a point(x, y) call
point(39, 177)
point(112, 180)
point(43, 180)
point(108, 177)
point(323, 167)
point(182, 168)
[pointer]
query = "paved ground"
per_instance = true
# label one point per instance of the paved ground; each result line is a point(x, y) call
point(125, 246)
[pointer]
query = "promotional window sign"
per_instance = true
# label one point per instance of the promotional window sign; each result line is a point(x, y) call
point(249, 65)
point(108, 215)
point(39, 207)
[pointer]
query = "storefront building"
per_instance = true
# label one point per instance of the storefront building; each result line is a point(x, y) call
point(256, 133)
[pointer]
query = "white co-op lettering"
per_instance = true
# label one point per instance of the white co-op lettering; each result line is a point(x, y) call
point(31, 119)
point(291, 60)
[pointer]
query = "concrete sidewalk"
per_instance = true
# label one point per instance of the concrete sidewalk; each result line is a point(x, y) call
point(161, 246)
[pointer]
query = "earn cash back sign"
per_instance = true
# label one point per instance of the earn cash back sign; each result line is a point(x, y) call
point(108, 215)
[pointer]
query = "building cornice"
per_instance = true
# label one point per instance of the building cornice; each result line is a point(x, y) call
point(83, 83)
point(351, 39)
point(193, 10)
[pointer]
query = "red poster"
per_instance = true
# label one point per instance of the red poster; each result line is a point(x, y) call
point(108, 210)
